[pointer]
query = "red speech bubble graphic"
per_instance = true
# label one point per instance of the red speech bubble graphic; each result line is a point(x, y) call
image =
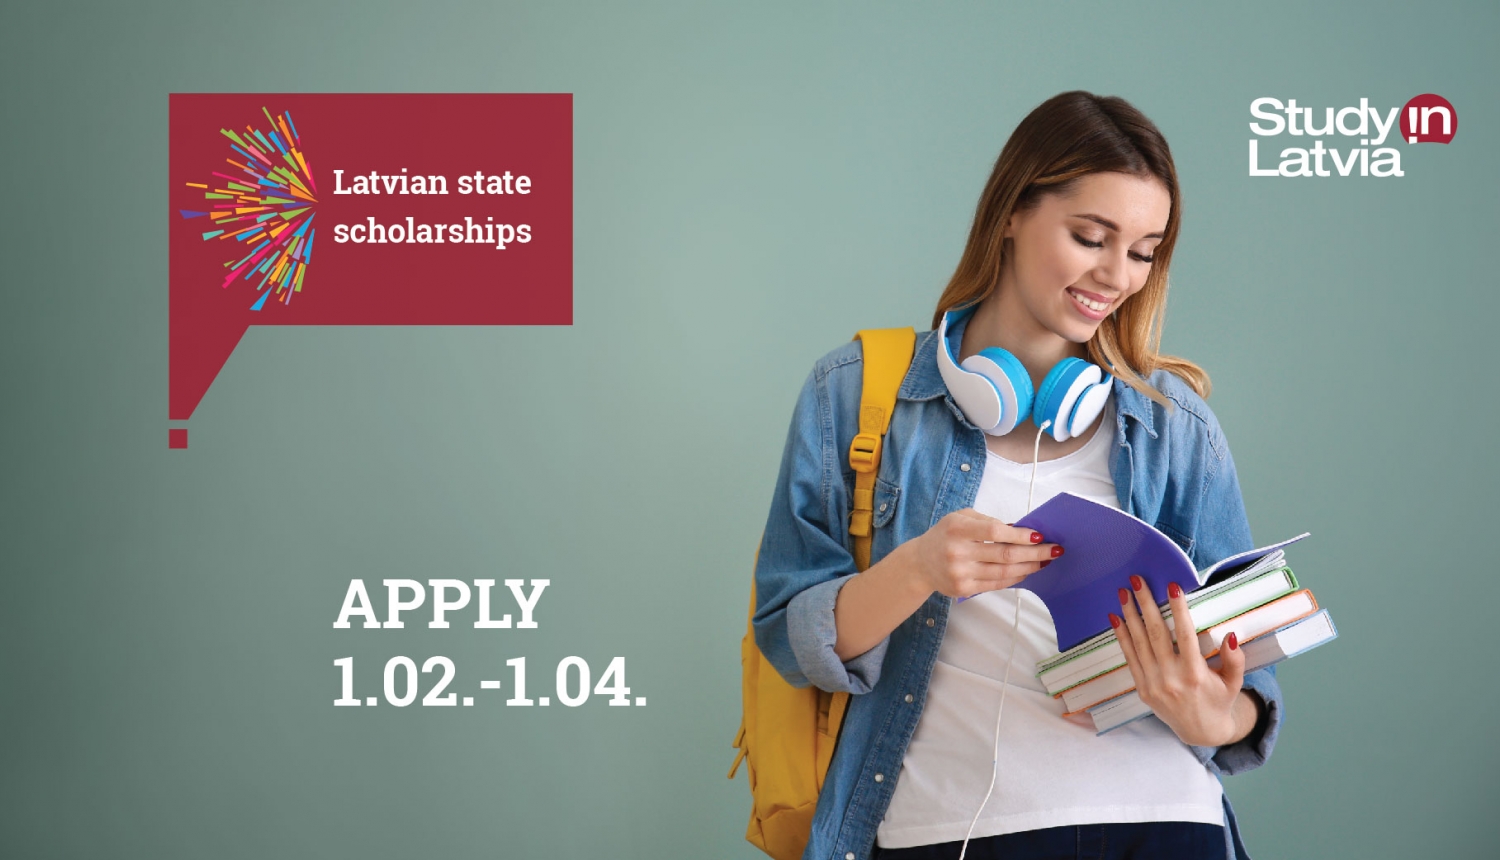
point(1428, 118)
point(362, 209)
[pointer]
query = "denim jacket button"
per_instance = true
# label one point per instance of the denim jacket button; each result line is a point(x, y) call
point(880, 777)
point(849, 856)
point(908, 698)
point(931, 621)
point(883, 506)
point(964, 467)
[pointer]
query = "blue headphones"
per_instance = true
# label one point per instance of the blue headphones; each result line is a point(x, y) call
point(994, 390)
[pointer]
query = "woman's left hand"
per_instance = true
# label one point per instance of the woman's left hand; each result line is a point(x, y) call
point(1197, 702)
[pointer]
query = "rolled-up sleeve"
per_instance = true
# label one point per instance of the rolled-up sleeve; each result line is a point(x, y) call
point(811, 629)
point(803, 560)
point(1251, 751)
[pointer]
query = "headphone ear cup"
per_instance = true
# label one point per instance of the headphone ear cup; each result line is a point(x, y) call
point(1089, 405)
point(974, 393)
point(1061, 391)
point(1011, 383)
point(1058, 380)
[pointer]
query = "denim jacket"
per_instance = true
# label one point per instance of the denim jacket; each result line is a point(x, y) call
point(1171, 468)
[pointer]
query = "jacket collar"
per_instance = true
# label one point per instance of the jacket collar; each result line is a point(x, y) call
point(924, 381)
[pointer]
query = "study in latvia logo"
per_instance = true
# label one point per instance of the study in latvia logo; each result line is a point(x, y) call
point(1356, 136)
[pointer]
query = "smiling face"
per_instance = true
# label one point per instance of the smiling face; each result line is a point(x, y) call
point(1075, 259)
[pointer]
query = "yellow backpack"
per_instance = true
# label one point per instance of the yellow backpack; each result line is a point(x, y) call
point(787, 734)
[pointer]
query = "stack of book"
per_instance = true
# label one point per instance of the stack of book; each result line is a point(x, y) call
point(1252, 594)
point(1272, 616)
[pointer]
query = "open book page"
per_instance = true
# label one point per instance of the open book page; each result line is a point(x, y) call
point(1104, 547)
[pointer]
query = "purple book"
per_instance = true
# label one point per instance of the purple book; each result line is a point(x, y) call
point(1104, 547)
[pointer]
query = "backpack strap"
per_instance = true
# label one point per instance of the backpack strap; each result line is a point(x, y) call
point(887, 356)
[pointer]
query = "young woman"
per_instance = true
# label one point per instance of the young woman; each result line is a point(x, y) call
point(1067, 260)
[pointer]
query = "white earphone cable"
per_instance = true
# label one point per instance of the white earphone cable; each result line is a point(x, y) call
point(1036, 453)
point(1015, 625)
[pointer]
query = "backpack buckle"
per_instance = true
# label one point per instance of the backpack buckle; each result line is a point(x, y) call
point(864, 451)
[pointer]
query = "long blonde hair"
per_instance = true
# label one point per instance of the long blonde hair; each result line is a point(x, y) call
point(1064, 138)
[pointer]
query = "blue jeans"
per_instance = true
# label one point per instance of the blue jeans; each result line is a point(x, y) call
point(1157, 840)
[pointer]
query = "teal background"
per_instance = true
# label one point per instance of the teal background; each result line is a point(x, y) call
point(754, 182)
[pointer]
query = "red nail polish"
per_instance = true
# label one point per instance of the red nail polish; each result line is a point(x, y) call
point(1114, 621)
point(1174, 590)
point(1057, 551)
point(1046, 561)
point(1136, 582)
point(1036, 537)
point(1124, 597)
point(1232, 641)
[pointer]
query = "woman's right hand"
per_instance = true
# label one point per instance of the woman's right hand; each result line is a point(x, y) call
point(968, 553)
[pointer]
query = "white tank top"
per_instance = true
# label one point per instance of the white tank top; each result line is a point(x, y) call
point(1053, 771)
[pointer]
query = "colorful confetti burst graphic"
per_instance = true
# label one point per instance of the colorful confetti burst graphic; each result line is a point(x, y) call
point(267, 209)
